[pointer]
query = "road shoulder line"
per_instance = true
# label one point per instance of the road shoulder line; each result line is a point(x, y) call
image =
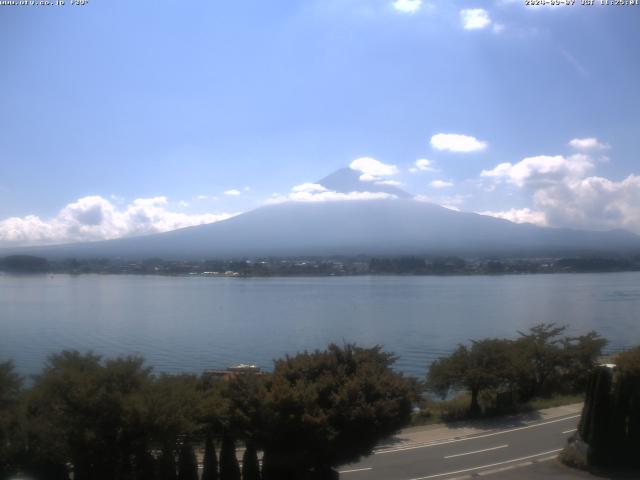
point(491, 433)
point(481, 467)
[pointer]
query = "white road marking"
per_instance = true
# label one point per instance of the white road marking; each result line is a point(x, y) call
point(356, 470)
point(476, 451)
point(502, 432)
point(487, 466)
point(511, 467)
point(571, 431)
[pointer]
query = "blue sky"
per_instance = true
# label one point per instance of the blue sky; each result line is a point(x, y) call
point(120, 117)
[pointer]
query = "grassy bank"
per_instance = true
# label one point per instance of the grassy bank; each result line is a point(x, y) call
point(457, 409)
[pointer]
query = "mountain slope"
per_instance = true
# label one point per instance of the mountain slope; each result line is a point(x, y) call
point(379, 227)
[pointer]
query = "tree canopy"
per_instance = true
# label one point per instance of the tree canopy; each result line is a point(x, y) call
point(539, 362)
point(629, 361)
point(485, 364)
point(10, 390)
point(114, 419)
point(328, 407)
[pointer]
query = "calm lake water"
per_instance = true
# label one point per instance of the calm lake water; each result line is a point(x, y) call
point(191, 324)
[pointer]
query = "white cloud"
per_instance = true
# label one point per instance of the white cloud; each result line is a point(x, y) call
point(407, 6)
point(393, 183)
point(313, 192)
point(202, 197)
point(309, 187)
point(372, 170)
point(454, 142)
point(474, 18)
point(592, 202)
point(328, 196)
point(564, 194)
point(422, 165)
point(331, 196)
point(519, 215)
point(96, 218)
point(233, 192)
point(441, 184)
point(498, 28)
point(590, 143)
point(541, 169)
point(183, 203)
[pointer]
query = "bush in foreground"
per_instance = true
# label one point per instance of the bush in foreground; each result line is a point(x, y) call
point(115, 420)
point(326, 408)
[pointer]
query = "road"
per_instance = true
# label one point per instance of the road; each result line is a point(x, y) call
point(482, 453)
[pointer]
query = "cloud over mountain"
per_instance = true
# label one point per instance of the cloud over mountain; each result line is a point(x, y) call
point(364, 179)
point(519, 215)
point(541, 169)
point(372, 169)
point(314, 192)
point(96, 218)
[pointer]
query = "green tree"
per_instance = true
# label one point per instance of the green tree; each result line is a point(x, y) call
point(171, 407)
point(250, 465)
point(242, 409)
point(326, 408)
point(187, 463)
point(210, 462)
point(540, 357)
point(10, 385)
point(145, 466)
point(580, 358)
point(65, 406)
point(629, 361)
point(10, 392)
point(229, 468)
point(486, 364)
point(167, 465)
point(242, 413)
point(85, 411)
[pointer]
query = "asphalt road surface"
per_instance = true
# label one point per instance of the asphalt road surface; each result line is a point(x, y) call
point(493, 451)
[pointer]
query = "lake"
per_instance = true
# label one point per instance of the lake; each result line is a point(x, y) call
point(191, 324)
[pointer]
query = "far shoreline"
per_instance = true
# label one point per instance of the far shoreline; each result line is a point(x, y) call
point(359, 275)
